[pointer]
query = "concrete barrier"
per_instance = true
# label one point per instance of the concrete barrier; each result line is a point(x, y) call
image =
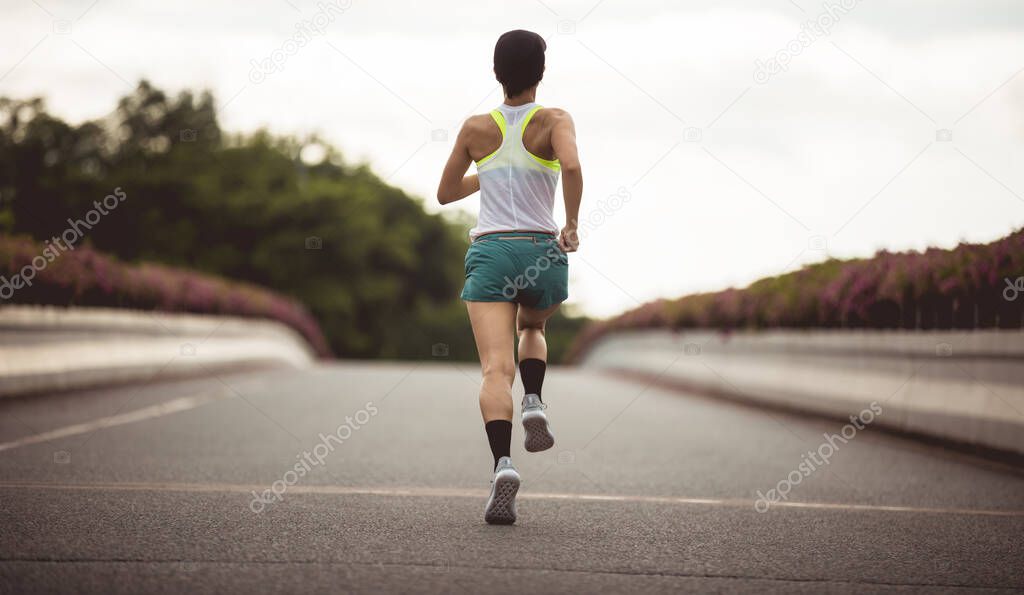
point(965, 387)
point(46, 348)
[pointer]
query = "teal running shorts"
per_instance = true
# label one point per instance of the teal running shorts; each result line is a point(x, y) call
point(526, 268)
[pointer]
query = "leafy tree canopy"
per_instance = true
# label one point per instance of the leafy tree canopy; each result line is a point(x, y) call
point(380, 274)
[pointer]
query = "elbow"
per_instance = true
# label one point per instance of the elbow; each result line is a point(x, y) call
point(444, 197)
point(571, 168)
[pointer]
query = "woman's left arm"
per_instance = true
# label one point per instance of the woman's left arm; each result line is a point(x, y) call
point(455, 184)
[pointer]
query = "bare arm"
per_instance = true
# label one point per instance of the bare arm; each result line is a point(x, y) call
point(455, 184)
point(563, 142)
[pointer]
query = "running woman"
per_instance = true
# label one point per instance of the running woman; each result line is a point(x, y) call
point(517, 271)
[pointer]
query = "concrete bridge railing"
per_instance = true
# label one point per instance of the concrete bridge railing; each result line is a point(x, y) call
point(961, 386)
point(45, 348)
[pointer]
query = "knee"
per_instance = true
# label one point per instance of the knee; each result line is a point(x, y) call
point(500, 372)
point(524, 326)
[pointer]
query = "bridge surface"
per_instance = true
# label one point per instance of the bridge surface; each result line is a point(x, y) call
point(149, 488)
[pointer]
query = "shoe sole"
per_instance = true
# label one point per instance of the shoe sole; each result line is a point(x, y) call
point(538, 433)
point(501, 506)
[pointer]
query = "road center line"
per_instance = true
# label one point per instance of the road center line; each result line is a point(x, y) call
point(161, 409)
point(415, 492)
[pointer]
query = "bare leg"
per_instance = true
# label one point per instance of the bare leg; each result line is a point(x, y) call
point(530, 325)
point(533, 347)
point(493, 330)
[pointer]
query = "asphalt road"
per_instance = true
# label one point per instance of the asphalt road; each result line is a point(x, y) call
point(150, 489)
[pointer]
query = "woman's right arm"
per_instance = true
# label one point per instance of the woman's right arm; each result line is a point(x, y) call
point(563, 142)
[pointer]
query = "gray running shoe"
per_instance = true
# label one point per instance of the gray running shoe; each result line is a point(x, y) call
point(501, 506)
point(535, 423)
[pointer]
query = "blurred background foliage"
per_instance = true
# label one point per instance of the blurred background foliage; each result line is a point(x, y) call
point(379, 273)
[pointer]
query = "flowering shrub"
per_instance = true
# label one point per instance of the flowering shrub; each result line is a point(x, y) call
point(85, 277)
point(935, 289)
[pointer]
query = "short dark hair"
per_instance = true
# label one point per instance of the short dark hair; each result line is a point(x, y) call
point(519, 60)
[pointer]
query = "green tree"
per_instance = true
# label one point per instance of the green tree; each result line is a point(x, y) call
point(380, 274)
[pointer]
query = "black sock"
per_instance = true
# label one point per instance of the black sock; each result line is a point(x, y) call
point(499, 434)
point(532, 372)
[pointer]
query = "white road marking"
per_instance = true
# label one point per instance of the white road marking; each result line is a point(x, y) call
point(482, 494)
point(166, 408)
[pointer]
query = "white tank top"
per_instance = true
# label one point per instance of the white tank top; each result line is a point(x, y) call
point(517, 188)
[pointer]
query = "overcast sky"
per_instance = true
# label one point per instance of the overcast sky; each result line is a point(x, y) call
point(730, 171)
